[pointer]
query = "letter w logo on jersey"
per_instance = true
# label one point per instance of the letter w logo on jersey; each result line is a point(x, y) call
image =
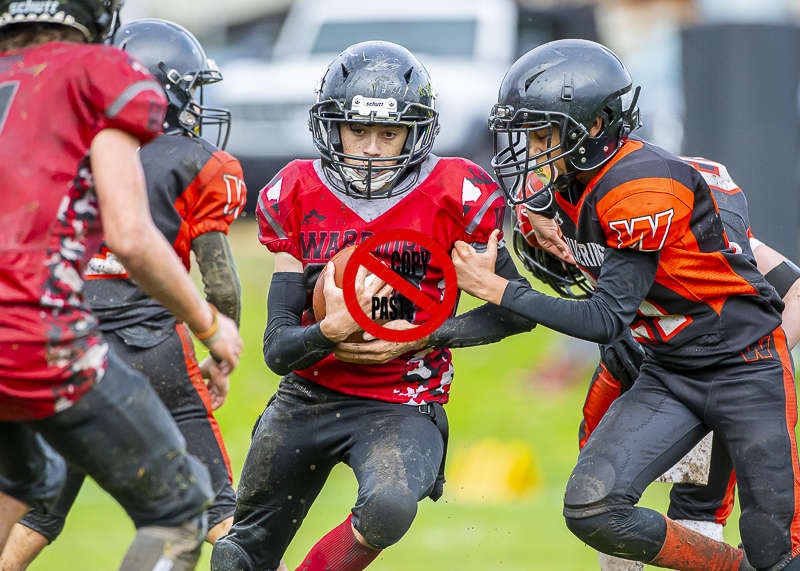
point(646, 233)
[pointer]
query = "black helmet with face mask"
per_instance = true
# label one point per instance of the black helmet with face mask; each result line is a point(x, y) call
point(569, 84)
point(374, 83)
point(178, 61)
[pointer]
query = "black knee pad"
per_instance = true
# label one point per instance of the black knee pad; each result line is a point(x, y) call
point(228, 556)
point(49, 526)
point(628, 532)
point(386, 516)
point(589, 487)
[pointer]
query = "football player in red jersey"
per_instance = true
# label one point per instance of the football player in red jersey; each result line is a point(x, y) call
point(195, 191)
point(703, 508)
point(376, 406)
point(73, 117)
point(644, 224)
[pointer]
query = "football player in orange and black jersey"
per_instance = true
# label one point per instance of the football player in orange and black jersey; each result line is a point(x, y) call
point(376, 406)
point(645, 226)
point(703, 508)
point(195, 191)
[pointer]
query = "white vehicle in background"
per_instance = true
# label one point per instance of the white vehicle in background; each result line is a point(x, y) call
point(466, 46)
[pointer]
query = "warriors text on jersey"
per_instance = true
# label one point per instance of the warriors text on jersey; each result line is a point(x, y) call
point(193, 188)
point(454, 200)
point(708, 299)
point(54, 99)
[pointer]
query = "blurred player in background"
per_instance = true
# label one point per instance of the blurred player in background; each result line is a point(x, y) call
point(72, 117)
point(377, 406)
point(195, 191)
point(645, 226)
point(703, 508)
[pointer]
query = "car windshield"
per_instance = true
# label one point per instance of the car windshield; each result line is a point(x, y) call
point(439, 38)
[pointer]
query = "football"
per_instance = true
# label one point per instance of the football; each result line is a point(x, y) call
point(339, 260)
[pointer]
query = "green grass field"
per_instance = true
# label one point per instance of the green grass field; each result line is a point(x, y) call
point(495, 394)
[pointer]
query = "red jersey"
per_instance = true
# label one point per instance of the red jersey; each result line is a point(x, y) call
point(54, 99)
point(454, 199)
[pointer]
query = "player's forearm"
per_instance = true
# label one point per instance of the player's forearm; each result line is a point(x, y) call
point(220, 277)
point(624, 282)
point(791, 315)
point(288, 346)
point(488, 323)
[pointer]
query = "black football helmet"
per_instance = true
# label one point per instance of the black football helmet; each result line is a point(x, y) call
point(178, 61)
point(374, 83)
point(97, 19)
point(569, 83)
point(567, 280)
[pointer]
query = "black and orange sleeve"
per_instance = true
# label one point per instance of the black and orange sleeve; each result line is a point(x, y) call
point(647, 214)
point(216, 196)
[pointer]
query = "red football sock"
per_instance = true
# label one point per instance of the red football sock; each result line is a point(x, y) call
point(687, 550)
point(339, 551)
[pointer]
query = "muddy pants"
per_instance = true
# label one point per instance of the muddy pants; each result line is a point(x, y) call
point(749, 402)
point(394, 450)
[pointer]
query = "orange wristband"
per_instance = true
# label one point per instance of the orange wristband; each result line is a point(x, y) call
point(213, 333)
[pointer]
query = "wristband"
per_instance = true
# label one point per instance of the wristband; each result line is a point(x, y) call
point(782, 277)
point(213, 333)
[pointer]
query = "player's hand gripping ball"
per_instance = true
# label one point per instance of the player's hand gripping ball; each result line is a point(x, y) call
point(339, 261)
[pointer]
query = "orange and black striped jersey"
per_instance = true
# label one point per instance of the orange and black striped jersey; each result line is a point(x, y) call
point(707, 298)
point(192, 188)
point(648, 231)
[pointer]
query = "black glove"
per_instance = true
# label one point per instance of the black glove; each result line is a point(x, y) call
point(623, 358)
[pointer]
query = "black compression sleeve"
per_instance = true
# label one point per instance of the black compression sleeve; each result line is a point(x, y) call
point(220, 278)
point(625, 279)
point(782, 277)
point(487, 323)
point(288, 346)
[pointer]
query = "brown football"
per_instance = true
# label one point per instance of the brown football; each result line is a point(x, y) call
point(339, 260)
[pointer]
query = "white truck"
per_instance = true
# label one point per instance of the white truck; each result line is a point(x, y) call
point(466, 46)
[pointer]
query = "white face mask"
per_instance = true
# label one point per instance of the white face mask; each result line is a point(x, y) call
point(358, 178)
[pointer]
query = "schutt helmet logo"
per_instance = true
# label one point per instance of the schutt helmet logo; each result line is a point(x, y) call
point(313, 217)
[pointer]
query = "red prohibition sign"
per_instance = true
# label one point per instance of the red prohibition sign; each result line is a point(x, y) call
point(363, 257)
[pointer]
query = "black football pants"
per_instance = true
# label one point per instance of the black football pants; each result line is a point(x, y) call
point(169, 370)
point(749, 401)
point(394, 449)
point(121, 435)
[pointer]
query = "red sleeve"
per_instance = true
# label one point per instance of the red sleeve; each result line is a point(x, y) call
point(482, 204)
point(647, 214)
point(278, 227)
point(114, 91)
point(218, 198)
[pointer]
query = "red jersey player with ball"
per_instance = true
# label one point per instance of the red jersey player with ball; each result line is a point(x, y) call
point(376, 406)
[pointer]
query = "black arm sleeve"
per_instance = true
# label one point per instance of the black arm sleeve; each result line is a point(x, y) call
point(625, 279)
point(220, 278)
point(487, 323)
point(288, 346)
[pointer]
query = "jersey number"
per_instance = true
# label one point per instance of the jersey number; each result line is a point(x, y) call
point(234, 186)
point(7, 92)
